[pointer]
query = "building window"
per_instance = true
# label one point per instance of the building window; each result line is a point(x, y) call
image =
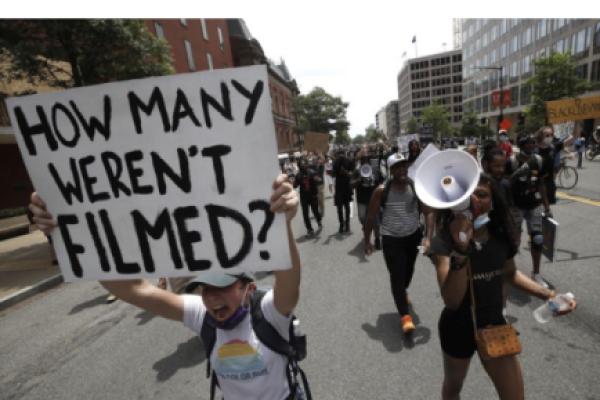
point(183, 21)
point(503, 51)
point(527, 37)
point(514, 71)
point(596, 39)
point(526, 65)
point(221, 39)
point(542, 28)
point(581, 44)
point(503, 26)
point(595, 77)
point(204, 28)
point(209, 60)
point(514, 44)
point(581, 71)
point(514, 95)
point(190, 55)
point(525, 95)
point(160, 33)
point(559, 46)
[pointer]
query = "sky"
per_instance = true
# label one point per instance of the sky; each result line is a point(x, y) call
point(356, 56)
point(351, 49)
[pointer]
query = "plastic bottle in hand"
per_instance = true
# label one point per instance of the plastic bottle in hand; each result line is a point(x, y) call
point(552, 307)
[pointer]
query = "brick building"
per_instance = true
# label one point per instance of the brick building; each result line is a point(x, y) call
point(246, 50)
point(196, 44)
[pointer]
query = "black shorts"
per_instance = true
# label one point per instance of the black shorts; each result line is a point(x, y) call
point(456, 332)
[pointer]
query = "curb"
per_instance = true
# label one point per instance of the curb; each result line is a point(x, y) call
point(30, 291)
point(14, 231)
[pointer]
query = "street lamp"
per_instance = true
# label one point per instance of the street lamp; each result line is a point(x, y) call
point(501, 69)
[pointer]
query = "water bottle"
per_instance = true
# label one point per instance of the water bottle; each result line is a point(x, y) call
point(552, 307)
point(298, 340)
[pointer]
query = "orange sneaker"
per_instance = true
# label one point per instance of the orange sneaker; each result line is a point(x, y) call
point(407, 324)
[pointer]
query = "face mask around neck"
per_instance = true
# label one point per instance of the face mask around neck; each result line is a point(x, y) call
point(481, 220)
point(233, 321)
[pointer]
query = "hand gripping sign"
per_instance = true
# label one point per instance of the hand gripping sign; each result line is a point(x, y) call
point(154, 177)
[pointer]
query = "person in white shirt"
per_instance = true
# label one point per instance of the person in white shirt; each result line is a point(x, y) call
point(245, 368)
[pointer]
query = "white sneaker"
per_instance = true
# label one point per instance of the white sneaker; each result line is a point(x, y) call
point(538, 278)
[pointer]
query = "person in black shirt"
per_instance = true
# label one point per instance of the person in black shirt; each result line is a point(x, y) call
point(364, 181)
point(549, 148)
point(485, 244)
point(307, 179)
point(342, 172)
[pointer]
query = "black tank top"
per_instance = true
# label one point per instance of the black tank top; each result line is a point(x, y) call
point(487, 266)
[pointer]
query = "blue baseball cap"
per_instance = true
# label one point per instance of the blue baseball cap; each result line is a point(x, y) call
point(219, 280)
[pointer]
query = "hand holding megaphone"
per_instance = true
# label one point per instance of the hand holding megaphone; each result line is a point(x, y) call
point(461, 230)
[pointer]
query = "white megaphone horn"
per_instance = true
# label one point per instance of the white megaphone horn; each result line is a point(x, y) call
point(446, 179)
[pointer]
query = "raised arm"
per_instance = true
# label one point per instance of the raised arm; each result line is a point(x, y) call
point(286, 290)
point(139, 292)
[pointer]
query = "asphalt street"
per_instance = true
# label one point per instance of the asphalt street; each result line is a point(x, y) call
point(68, 344)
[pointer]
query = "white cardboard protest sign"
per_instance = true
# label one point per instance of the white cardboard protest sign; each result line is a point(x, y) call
point(157, 177)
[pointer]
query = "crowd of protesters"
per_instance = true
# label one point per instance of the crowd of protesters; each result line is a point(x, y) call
point(473, 254)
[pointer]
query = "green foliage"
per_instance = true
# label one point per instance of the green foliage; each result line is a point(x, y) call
point(412, 126)
point(97, 51)
point(470, 126)
point(358, 139)
point(342, 138)
point(554, 79)
point(438, 117)
point(373, 135)
point(319, 111)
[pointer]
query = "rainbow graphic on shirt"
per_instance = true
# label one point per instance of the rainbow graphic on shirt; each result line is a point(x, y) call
point(238, 360)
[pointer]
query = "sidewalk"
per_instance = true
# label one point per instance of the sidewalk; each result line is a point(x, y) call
point(25, 264)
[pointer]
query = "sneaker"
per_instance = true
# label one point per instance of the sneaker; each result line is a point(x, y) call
point(310, 232)
point(407, 324)
point(320, 225)
point(377, 243)
point(341, 229)
point(111, 299)
point(538, 278)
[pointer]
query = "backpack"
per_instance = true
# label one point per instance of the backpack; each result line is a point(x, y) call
point(294, 349)
point(525, 181)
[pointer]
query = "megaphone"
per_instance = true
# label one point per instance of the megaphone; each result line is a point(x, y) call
point(366, 171)
point(446, 179)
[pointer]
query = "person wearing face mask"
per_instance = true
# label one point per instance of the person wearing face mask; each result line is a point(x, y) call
point(529, 197)
point(225, 302)
point(504, 143)
point(308, 180)
point(480, 241)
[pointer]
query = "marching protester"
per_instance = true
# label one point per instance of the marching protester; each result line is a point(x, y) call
point(364, 181)
point(549, 148)
point(342, 172)
point(504, 143)
point(528, 192)
point(414, 149)
point(329, 174)
point(308, 180)
point(224, 305)
point(319, 163)
point(473, 257)
point(399, 210)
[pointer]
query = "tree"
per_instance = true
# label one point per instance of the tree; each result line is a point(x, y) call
point(342, 138)
point(412, 126)
point(438, 117)
point(373, 135)
point(319, 111)
point(555, 77)
point(469, 127)
point(358, 139)
point(65, 53)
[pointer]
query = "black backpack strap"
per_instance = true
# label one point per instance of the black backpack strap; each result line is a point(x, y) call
point(268, 335)
point(208, 334)
point(386, 191)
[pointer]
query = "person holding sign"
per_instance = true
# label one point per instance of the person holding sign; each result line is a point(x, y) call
point(473, 257)
point(225, 303)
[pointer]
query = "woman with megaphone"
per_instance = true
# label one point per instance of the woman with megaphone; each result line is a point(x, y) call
point(473, 254)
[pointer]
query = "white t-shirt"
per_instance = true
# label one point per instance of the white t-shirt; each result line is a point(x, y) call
point(246, 368)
